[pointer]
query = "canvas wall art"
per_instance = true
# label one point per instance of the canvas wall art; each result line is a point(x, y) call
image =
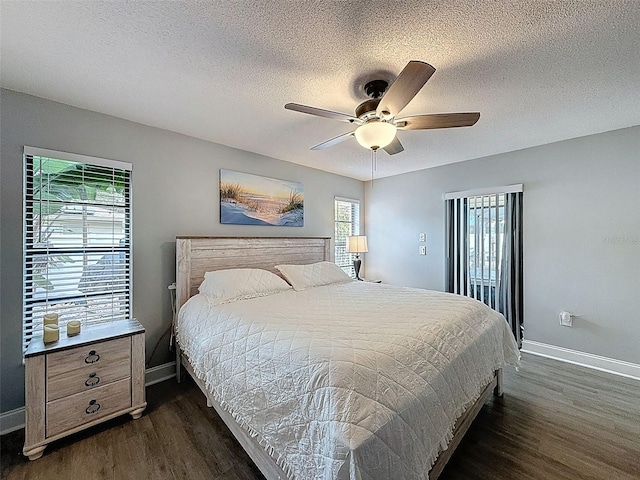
point(247, 199)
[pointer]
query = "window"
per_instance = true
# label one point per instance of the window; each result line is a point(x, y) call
point(484, 249)
point(347, 217)
point(77, 239)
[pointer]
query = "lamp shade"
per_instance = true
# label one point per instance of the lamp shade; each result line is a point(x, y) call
point(357, 244)
point(375, 134)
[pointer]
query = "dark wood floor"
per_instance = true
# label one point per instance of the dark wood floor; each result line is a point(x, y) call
point(556, 421)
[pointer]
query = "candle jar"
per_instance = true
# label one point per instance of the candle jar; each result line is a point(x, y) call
point(51, 333)
point(50, 319)
point(73, 328)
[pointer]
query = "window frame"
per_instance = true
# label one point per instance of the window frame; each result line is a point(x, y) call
point(354, 228)
point(111, 293)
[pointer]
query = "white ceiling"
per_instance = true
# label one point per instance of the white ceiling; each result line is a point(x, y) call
point(538, 71)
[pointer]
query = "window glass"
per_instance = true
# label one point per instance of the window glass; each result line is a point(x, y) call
point(347, 223)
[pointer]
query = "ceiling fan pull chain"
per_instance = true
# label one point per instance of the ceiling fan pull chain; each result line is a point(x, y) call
point(373, 152)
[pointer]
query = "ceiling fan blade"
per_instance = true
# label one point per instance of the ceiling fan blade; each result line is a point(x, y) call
point(333, 141)
point(438, 120)
point(411, 79)
point(394, 147)
point(319, 112)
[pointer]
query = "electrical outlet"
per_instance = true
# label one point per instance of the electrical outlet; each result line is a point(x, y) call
point(423, 237)
point(565, 319)
point(423, 250)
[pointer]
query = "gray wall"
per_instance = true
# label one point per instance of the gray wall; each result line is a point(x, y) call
point(175, 192)
point(581, 235)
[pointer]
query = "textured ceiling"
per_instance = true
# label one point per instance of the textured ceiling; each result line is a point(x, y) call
point(538, 71)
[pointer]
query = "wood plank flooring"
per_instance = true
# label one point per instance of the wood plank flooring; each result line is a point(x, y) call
point(556, 421)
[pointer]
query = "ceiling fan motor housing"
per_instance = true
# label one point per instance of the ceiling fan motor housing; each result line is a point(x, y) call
point(375, 90)
point(367, 107)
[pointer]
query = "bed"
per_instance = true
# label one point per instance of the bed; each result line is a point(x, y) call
point(346, 380)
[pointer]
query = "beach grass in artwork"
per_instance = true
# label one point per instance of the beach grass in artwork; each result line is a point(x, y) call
point(247, 199)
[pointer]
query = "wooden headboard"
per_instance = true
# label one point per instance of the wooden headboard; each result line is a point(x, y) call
point(197, 255)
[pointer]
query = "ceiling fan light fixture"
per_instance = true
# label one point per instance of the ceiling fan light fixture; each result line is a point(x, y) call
point(375, 134)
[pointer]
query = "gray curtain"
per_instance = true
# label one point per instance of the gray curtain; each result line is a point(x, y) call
point(511, 301)
point(457, 239)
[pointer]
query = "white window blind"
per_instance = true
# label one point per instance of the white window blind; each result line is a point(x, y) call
point(77, 239)
point(347, 218)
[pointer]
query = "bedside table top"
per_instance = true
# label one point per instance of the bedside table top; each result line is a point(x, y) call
point(88, 335)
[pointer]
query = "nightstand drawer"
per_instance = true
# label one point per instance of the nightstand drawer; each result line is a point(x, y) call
point(67, 370)
point(87, 377)
point(69, 412)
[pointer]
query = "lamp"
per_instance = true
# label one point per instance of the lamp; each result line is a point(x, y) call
point(375, 134)
point(357, 244)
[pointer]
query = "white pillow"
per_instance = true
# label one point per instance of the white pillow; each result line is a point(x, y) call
point(302, 277)
point(224, 286)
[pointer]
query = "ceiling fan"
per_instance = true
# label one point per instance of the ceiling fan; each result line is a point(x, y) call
point(377, 117)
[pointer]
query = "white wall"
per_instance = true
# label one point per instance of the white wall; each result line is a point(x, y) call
point(581, 235)
point(175, 192)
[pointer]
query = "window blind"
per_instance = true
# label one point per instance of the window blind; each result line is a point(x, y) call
point(77, 239)
point(347, 223)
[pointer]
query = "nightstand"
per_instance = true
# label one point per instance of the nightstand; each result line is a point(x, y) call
point(80, 381)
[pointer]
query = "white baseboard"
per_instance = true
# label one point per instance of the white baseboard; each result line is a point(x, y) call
point(159, 373)
point(604, 364)
point(14, 419)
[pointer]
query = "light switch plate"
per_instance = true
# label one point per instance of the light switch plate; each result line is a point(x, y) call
point(423, 237)
point(423, 250)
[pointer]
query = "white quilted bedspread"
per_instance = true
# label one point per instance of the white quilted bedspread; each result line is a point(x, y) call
point(354, 381)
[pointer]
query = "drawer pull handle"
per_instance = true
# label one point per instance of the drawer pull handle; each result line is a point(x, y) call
point(92, 381)
point(92, 408)
point(93, 357)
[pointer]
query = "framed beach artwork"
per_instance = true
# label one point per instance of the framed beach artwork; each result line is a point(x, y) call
point(247, 199)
